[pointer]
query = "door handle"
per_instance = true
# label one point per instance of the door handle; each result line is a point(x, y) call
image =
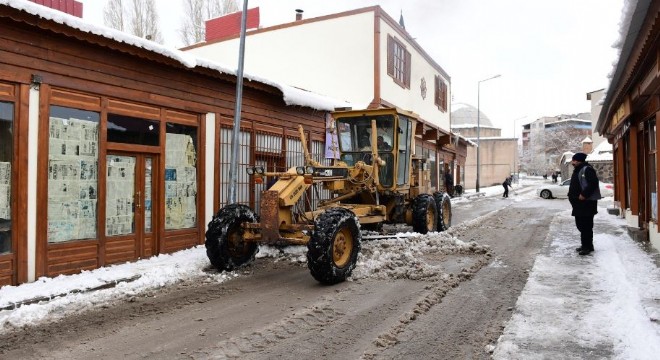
point(137, 201)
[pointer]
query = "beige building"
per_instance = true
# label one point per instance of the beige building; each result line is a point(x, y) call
point(498, 157)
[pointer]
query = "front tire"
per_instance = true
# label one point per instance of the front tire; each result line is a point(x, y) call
point(225, 247)
point(546, 194)
point(443, 204)
point(334, 246)
point(424, 214)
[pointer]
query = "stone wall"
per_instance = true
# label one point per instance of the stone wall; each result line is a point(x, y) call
point(604, 170)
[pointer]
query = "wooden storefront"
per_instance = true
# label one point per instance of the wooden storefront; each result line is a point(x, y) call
point(114, 149)
point(629, 118)
point(112, 152)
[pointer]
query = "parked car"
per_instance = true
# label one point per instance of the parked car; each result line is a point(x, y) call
point(560, 191)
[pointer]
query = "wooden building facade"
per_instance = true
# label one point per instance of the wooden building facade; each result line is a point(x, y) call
point(631, 111)
point(113, 148)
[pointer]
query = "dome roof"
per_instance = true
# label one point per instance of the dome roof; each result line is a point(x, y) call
point(465, 114)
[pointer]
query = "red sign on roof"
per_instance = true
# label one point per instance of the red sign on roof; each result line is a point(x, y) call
point(70, 7)
point(230, 25)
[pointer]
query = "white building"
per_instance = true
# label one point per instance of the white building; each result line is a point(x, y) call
point(362, 56)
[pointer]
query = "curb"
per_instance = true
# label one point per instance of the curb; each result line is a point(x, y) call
point(36, 300)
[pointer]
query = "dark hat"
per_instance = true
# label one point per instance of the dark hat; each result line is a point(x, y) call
point(581, 157)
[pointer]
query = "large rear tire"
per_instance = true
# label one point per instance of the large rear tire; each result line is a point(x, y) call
point(334, 246)
point(443, 204)
point(225, 246)
point(425, 214)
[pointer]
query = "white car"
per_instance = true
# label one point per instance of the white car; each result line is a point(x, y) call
point(560, 191)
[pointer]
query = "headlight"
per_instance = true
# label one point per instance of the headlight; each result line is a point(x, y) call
point(309, 170)
point(250, 171)
point(300, 170)
point(259, 170)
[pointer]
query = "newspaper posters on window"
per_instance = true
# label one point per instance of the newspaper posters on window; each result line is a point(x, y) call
point(147, 195)
point(5, 190)
point(120, 186)
point(180, 182)
point(72, 179)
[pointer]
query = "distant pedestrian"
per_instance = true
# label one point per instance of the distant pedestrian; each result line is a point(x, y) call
point(507, 185)
point(449, 183)
point(554, 177)
point(583, 193)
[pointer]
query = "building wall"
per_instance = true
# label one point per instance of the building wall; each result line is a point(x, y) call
point(497, 159)
point(412, 98)
point(334, 57)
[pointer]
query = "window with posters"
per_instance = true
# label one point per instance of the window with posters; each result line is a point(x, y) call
point(180, 177)
point(6, 156)
point(72, 174)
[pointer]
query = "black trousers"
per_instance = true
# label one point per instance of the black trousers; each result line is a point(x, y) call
point(506, 191)
point(585, 224)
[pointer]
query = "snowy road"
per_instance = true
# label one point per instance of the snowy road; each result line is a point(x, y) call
point(442, 296)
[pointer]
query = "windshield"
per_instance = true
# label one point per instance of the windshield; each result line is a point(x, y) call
point(355, 133)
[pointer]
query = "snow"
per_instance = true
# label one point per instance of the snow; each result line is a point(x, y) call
point(292, 95)
point(615, 301)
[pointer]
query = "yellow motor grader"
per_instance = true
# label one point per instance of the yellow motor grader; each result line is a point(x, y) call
point(376, 180)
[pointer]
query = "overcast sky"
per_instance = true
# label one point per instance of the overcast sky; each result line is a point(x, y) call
point(550, 53)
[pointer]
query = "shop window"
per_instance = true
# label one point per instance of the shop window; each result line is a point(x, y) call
point(180, 177)
point(72, 174)
point(6, 155)
point(131, 130)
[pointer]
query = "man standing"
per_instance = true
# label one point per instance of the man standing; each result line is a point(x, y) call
point(583, 193)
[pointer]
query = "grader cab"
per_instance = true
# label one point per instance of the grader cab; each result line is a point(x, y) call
point(376, 180)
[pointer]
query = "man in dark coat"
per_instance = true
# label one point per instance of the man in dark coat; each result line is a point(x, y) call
point(583, 193)
point(507, 185)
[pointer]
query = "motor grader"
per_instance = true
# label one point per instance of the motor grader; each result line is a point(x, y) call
point(369, 186)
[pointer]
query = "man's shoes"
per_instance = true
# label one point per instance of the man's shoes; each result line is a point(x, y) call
point(585, 252)
point(578, 249)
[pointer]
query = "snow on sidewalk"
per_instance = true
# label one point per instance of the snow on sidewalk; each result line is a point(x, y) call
point(603, 305)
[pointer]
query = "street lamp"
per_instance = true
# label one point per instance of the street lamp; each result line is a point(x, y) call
point(515, 146)
point(479, 123)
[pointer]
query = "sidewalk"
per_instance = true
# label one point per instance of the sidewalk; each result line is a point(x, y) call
point(603, 305)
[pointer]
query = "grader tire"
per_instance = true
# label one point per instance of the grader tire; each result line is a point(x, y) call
point(443, 204)
point(334, 246)
point(424, 214)
point(225, 247)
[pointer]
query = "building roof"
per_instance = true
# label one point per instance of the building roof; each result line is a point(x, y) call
point(465, 114)
point(291, 95)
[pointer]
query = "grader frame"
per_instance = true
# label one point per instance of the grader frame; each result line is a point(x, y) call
point(370, 186)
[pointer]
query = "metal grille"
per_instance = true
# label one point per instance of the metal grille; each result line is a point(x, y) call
point(243, 186)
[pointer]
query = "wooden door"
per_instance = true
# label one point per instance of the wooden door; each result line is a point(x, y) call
point(130, 218)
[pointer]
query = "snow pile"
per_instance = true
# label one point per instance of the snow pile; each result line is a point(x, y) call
point(408, 257)
point(147, 275)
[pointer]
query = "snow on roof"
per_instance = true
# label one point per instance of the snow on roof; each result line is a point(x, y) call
point(292, 95)
point(473, 126)
point(569, 120)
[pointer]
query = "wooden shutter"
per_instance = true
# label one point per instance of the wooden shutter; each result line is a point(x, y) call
point(390, 56)
point(406, 79)
point(437, 91)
